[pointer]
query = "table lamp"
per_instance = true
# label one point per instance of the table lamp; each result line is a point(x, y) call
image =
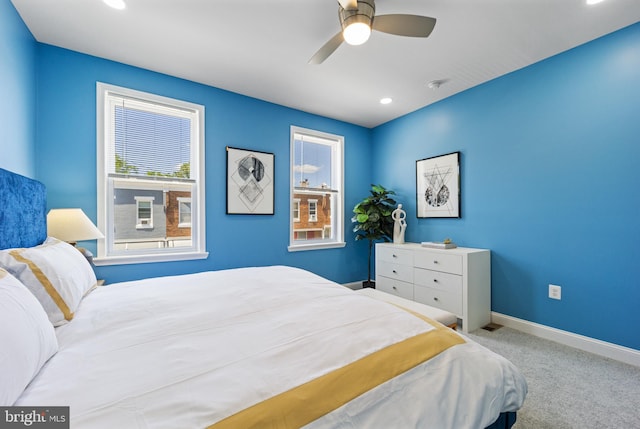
point(72, 225)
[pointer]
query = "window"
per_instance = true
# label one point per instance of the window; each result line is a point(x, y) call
point(296, 209)
point(313, 210)
point(184, 212)
point(150, 177)
point(316, 190)
point(145, 212)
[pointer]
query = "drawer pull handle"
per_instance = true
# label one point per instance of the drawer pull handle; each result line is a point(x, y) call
point(394, 288)
point(435, 298)
point(394, 255)
point(435, 280)
point(435, 262)
point(395, 272)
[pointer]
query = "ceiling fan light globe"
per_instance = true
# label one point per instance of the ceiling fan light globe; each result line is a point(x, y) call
point(116, 4)
point(356, 33)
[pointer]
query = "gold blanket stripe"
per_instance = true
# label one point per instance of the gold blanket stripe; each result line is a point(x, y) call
point(303, 404)
point(46, 283)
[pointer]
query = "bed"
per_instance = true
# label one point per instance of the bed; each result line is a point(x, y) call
point(272, 346)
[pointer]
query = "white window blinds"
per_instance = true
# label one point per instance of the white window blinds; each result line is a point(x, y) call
point(149, 140)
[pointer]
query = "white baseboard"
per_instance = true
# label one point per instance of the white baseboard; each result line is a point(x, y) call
point(591, 345)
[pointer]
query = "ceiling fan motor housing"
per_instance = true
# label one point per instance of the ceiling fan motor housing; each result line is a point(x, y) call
point(363, 14)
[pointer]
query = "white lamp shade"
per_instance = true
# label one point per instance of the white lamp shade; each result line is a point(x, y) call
point(71, 225)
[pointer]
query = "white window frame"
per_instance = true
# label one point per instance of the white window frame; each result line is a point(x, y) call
point(182, 224)
point(296, 209)
point(105, 219)
point(326, 231)
point(313, 212)
point(140, 224)
point(337, 213)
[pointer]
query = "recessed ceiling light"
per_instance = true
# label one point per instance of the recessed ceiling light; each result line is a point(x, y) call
point(116, 4)
point(594, 1)
point(385, 100)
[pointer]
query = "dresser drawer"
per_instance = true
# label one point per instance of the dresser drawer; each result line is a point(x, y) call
point(394, 255)
point(454, 280)
point(395, 287)
point(439, 261)
point(395, 271)
point(441, 299)
point(435, 279)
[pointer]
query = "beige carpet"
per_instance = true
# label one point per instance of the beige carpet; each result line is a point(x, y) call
point(568, 388)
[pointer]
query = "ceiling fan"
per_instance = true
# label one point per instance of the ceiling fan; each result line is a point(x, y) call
point(358, 18)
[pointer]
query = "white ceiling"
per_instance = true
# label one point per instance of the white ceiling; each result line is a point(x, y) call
point(260, 48)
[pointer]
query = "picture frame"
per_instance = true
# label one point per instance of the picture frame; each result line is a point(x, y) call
point(250, 182)
point(438, 186)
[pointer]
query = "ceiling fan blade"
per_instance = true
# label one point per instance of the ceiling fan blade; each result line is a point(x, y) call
point(348, 4)
point(404, 25)
point(327, 49)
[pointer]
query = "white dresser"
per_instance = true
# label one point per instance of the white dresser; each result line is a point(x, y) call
point(456, 280)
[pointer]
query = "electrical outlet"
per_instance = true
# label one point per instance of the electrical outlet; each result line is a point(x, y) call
point(555, 292)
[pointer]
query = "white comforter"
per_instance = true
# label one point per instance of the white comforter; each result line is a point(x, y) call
point(188, 351)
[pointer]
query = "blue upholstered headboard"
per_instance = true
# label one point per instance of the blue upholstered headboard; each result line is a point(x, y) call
point(23, 211)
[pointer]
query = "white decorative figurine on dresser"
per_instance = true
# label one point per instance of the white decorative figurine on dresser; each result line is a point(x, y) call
point(399, 225)
point(456, 280)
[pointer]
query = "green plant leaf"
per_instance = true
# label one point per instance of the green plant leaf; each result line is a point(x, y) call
point(362, 217)
point(373, 215)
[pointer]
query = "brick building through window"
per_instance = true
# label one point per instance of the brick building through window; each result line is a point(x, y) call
point(312, 215)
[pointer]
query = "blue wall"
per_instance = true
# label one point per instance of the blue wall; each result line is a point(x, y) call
point(550, 177)
point(549, 163)
point(66, 163)
point(17, 86)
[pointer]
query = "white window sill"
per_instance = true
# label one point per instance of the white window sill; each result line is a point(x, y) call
point(141, 259)
point(316, 246)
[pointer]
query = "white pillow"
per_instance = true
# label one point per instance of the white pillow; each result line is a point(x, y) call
point(27, 339)
point(55, 272)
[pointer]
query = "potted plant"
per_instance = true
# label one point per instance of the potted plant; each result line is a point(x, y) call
point(373, 221)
